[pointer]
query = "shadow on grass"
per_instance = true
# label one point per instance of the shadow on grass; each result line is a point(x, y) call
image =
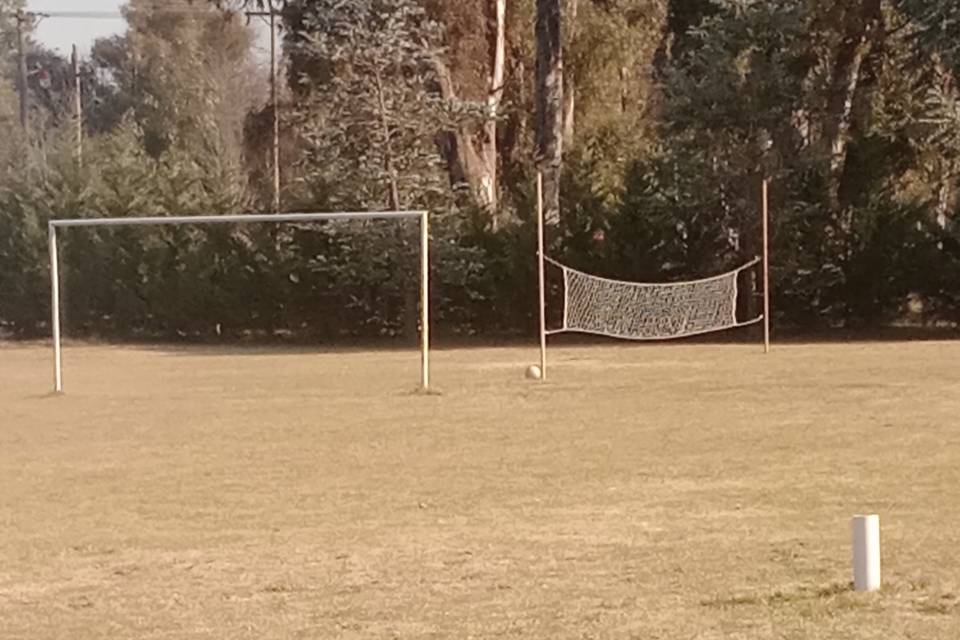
point(781, 597)
point(424, 393)
point(921, 598)
point(264, 344)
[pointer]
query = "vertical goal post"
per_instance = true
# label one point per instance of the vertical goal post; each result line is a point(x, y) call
point(541, 278)
point(421, 215)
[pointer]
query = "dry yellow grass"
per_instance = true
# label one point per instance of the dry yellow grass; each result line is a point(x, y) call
point(656, 492)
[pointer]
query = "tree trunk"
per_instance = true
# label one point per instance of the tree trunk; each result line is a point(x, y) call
point(948, 168)
point(472, 155)
point(860, 24)
point(388, 165)
point(550, 104)
point(943, 203)
point(569, 89)
point(679, 18)
point(569, 115)
point(624, 89)
point(22, 85)
point(488, 144)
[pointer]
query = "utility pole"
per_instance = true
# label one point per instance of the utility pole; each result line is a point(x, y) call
point(78, 104)
point(22, 70)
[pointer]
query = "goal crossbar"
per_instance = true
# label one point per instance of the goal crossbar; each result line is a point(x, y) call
point(422, 215)
point(235, 218)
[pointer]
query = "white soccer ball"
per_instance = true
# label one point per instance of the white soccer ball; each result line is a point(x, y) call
point(534, 373)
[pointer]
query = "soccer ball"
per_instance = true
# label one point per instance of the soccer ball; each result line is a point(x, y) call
point(534, 373)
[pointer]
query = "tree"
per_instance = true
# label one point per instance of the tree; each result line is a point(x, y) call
point(817, 95)
point(550, 103)
point(860, 23)
point(370, 127)
point(187, 76)
point(8, 30)
point(938, 30)
point(934, 35)
point(470, 59)
point(660, 117)
point(609, 69)
point(682, 19)
point(472, 71)
point(14, 34)
point(8, 48)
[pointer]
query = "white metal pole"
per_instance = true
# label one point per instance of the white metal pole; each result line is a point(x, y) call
point(766, 267)
point(542, 279)
point(55, 308)
point(866, 552)
point(425, 300)
point(236, 218)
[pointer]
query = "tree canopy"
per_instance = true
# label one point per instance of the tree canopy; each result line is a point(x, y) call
point(656, 121)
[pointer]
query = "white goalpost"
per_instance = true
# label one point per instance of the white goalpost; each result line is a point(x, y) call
point(422, 216)
point(647, 311)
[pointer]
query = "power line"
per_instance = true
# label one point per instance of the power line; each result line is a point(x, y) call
point(91, 15)
point(116, 15)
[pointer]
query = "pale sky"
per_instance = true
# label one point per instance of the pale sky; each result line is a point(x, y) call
point(60, 33)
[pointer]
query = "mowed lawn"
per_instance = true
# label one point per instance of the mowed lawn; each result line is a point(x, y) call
point(651, 492)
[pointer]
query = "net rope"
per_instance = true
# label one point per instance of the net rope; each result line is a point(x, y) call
point(649, 311)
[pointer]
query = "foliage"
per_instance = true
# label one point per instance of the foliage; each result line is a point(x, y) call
point(681, 109)
point(939, 27)
point(369, 129)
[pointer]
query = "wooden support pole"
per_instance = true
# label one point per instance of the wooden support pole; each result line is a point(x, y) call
point(542, 278)
point(766, 267)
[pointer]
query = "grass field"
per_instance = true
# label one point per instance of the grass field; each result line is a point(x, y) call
point(672, 492)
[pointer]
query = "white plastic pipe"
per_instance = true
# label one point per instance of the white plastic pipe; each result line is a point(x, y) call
point(866, 552)
point(55, 309)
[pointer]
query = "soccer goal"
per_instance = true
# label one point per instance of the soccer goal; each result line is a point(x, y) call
point(278, 218)
point(646, 311)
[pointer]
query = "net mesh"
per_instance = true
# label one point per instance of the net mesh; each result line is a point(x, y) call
point(646, 311)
